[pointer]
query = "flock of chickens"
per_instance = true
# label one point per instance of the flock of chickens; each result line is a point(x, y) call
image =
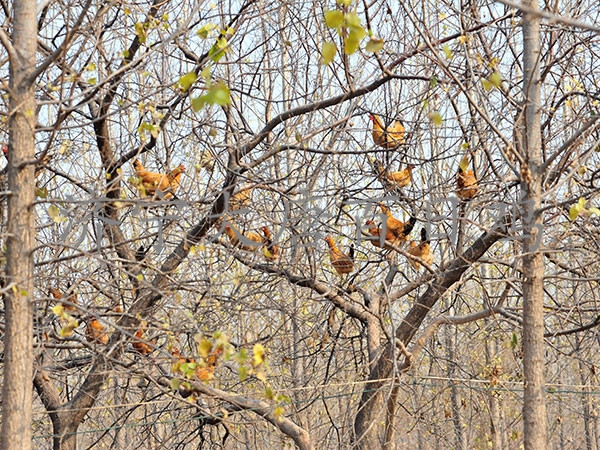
point(393, 234)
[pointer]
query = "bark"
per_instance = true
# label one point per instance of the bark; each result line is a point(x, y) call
point(534, 407)
point(369, 429)
point(17, 390)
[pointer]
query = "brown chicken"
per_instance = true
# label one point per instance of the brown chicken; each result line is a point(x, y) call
point(151, 182)
point(270, 250)
point(248, 239)
point(70, 304)
point(95, 332)
point(375, 231)
point(387, 137)
point(401, 178)
point(421, 250)
point(399, 229)
point(341, 262)
point(466, 183)
point(141, 345)
point(240, 199)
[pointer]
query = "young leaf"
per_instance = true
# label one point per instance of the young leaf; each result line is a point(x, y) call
point(54, 213)
point(334, 18)
point(186, 81)
point(205, 30)
point(436, 118)
point(328, 52)
point(374, 45)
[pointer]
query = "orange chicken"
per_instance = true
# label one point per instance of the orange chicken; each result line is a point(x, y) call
point(401, 178)
point(466, 183)
point(375, 231)
point(399, 229)
point(150, 182)
point(70, 305)
point(95, 332)
point(387, 137)
point(249, 238)
point(341, 262)
point(141, 345)
point(240, 199)
point(270, 250)
point(421, 250)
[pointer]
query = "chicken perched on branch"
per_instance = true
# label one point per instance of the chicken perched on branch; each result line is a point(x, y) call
point(387, 137)
point(421, 250)
point(151, 182)
point(399, 229)
point(95, 332)
point(466, 183)
point(240, 199)
point(377, 232)
point(341, 262)
point(401, 178)
point(270, 250)
point(142, 345)
point(70, 304)
point(247, 240)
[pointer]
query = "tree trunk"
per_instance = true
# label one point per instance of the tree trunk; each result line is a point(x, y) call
point(17, 388)
point(534, 408)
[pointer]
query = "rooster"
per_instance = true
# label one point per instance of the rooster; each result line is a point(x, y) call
point(150, 182)
point(421, 250)
point(399, 229)
point(248, 239)
point(387, 137)
point(95, 332)
point(466, 183)
point(270, 250)
point(341, 262)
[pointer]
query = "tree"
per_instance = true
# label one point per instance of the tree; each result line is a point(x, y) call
point(170, 323)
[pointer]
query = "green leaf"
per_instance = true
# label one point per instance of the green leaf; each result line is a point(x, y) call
point(374, 45)
point(436, 118)
point(433, 82)
point(353, 21)
point(204, 348)
point(217, 94)
point(41, 192)
point(344, 2)
point(217, 51)
point(352, 42)
point(496, 79)
point(174, 383)
point(186, 81)
point(54, 213)
point(140, 31)
point(594, 211)
point(328, 52)
point(487, 86)
point(205, 30)
point(573, 212)
point(334, 18)
point(447, 51)
point(243, 373)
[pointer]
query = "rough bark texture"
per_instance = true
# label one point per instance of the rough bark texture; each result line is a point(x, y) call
point(17, 390)
point(534, 409)
point(369, 427)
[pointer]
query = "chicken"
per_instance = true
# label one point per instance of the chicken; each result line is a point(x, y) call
point(466, 183)
point(141, 345)
point(248, 239)
point(270, 250)
point(341, 262)
point(240, 199)
point(95, 332)
point(387, 137)
point(70, 304)
point(401, 178)
point(399, 229)
point(375, 231)
point(421, 250)
point(150, 182)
